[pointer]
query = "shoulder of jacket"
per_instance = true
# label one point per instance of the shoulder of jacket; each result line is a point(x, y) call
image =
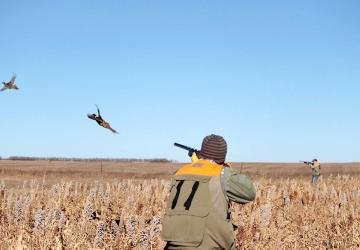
point(201, 167)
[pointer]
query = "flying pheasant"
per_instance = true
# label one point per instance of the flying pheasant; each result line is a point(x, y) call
point(101, 121)
point(10, 85)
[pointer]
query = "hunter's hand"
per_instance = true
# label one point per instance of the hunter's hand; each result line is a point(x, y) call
point(190, 153)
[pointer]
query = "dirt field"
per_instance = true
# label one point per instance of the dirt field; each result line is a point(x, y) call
point(14, 173)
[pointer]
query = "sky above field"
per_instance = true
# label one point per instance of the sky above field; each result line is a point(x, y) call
point(278, 79)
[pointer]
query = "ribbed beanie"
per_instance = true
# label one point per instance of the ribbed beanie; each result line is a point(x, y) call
point(214, 147)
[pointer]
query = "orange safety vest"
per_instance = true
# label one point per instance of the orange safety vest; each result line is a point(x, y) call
point(201, 167)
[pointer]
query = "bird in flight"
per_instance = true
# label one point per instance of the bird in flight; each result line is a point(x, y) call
point(10, 85)
point(101, 121)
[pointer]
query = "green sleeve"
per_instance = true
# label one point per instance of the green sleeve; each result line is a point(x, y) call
point(238, 187)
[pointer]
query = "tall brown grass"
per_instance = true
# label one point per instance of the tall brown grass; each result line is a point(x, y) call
point(126, 214)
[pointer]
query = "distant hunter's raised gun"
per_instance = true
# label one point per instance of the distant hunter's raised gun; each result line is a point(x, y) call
point(306, 162)
point(191, 151)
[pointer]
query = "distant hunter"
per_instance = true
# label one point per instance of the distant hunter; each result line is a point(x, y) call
point(315, 169)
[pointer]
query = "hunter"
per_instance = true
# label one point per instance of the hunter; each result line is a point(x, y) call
point(197, 215)
point(315, 170)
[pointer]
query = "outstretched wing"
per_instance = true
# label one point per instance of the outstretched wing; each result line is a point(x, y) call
point(95, 118)
point(98, 110)
point(91, 116)
point(3, 88)
point(13, 78)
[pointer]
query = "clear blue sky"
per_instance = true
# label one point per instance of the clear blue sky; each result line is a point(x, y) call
point(278, 79)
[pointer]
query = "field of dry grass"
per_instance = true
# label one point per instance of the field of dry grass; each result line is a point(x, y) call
point(79, 205)
point(49, 172)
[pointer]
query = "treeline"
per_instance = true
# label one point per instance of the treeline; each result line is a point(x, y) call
point(28, 158)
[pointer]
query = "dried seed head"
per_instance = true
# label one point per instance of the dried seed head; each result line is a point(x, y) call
point(342, 199)
point(131, 229)
point(61, 220)
point(265, 215)
point(55, 189)
point(155, 227)
point(18, 210)
point(87, 211)
point(39, 219)
point(114, 228)
point(144, 239)
point(100, 231)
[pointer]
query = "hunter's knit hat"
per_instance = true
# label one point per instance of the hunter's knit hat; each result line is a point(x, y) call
point(214, 148)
